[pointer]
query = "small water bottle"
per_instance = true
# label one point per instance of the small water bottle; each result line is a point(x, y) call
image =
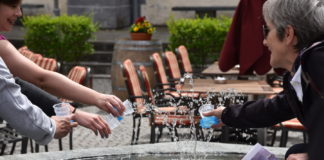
point(207, 122)
point(113, 122)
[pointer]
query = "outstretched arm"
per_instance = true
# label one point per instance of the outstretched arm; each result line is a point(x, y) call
point(56, 83)
point(46, 101)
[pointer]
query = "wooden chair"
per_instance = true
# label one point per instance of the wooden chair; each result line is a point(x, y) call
point(137, 96)
point(172, 65)
point(78, 74)
point(184, 60)
point(167, 115)
point(48, 63)
point(285, 127)
point(169, 87)
point(9, 135)
point(44, 62)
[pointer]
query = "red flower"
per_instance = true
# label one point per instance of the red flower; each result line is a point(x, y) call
point(140, 20)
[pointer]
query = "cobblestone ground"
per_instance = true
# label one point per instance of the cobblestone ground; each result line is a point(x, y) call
point(84, 138)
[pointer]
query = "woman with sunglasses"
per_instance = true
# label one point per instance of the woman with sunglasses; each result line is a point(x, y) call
point(294, 33)
point(20, 113)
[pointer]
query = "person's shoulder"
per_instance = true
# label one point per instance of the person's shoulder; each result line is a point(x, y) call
point(314, 51)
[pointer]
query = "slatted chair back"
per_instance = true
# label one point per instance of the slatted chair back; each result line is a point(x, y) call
point(48, 63)
point(172, 65)
point(36, 58)
point(159, 70)
point(162, 78)
point(26, 52)
point(184, 60)
point(77, 74)
point(21, 49)
point(146, 81)
point(133, 86)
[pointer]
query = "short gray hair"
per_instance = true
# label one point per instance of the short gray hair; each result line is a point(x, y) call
point(305, 16)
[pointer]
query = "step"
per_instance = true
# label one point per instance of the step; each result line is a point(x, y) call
point(101, 76)
point(102, 46)
point(99, 56)
point(97, 67)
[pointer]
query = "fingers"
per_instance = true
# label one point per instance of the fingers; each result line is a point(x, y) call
point(101, 127)
point(113, 110)
point(115, 105)
point(63, 125)
point(216, 112)
point(73, 124)
point(211, 113)
point(119, 104)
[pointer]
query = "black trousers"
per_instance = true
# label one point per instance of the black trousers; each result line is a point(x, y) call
point(297, 148)
point(38, 97)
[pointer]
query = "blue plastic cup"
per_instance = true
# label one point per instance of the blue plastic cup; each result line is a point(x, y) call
point(207, 122)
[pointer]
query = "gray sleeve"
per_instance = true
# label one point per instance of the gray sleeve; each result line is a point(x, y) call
point(21, 114)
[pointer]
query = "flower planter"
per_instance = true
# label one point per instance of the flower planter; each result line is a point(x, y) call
point(140, 36)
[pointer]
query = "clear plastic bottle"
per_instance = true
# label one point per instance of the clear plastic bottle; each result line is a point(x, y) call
point(112, 121)
point(207, 122)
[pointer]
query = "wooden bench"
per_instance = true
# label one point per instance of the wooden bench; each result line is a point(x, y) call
point(201, 11)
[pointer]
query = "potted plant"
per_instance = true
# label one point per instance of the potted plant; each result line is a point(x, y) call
point(141, 29)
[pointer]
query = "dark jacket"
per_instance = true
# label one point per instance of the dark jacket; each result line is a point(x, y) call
point(38, 97)
point(285, 106)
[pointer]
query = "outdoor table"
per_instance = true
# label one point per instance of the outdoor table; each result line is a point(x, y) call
point(248, 87)
point(234, 73)
point(213, 70)
point(256, 88)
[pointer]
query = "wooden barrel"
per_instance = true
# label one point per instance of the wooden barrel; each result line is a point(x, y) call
point(139, 52)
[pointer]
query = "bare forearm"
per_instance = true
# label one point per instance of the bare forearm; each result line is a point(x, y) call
point(63, 87)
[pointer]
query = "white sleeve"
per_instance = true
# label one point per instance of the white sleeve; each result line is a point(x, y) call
point(20, 113)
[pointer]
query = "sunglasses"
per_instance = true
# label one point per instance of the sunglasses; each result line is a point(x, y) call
point(265, 30)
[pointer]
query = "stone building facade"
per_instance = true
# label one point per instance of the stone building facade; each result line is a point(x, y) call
point(157, 11)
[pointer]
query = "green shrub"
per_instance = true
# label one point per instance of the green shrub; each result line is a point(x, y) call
point(65, 38)
point(203, 37)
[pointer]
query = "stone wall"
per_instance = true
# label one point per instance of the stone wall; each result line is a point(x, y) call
point(48, 7)
point(158, 11)
point(109, 14)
